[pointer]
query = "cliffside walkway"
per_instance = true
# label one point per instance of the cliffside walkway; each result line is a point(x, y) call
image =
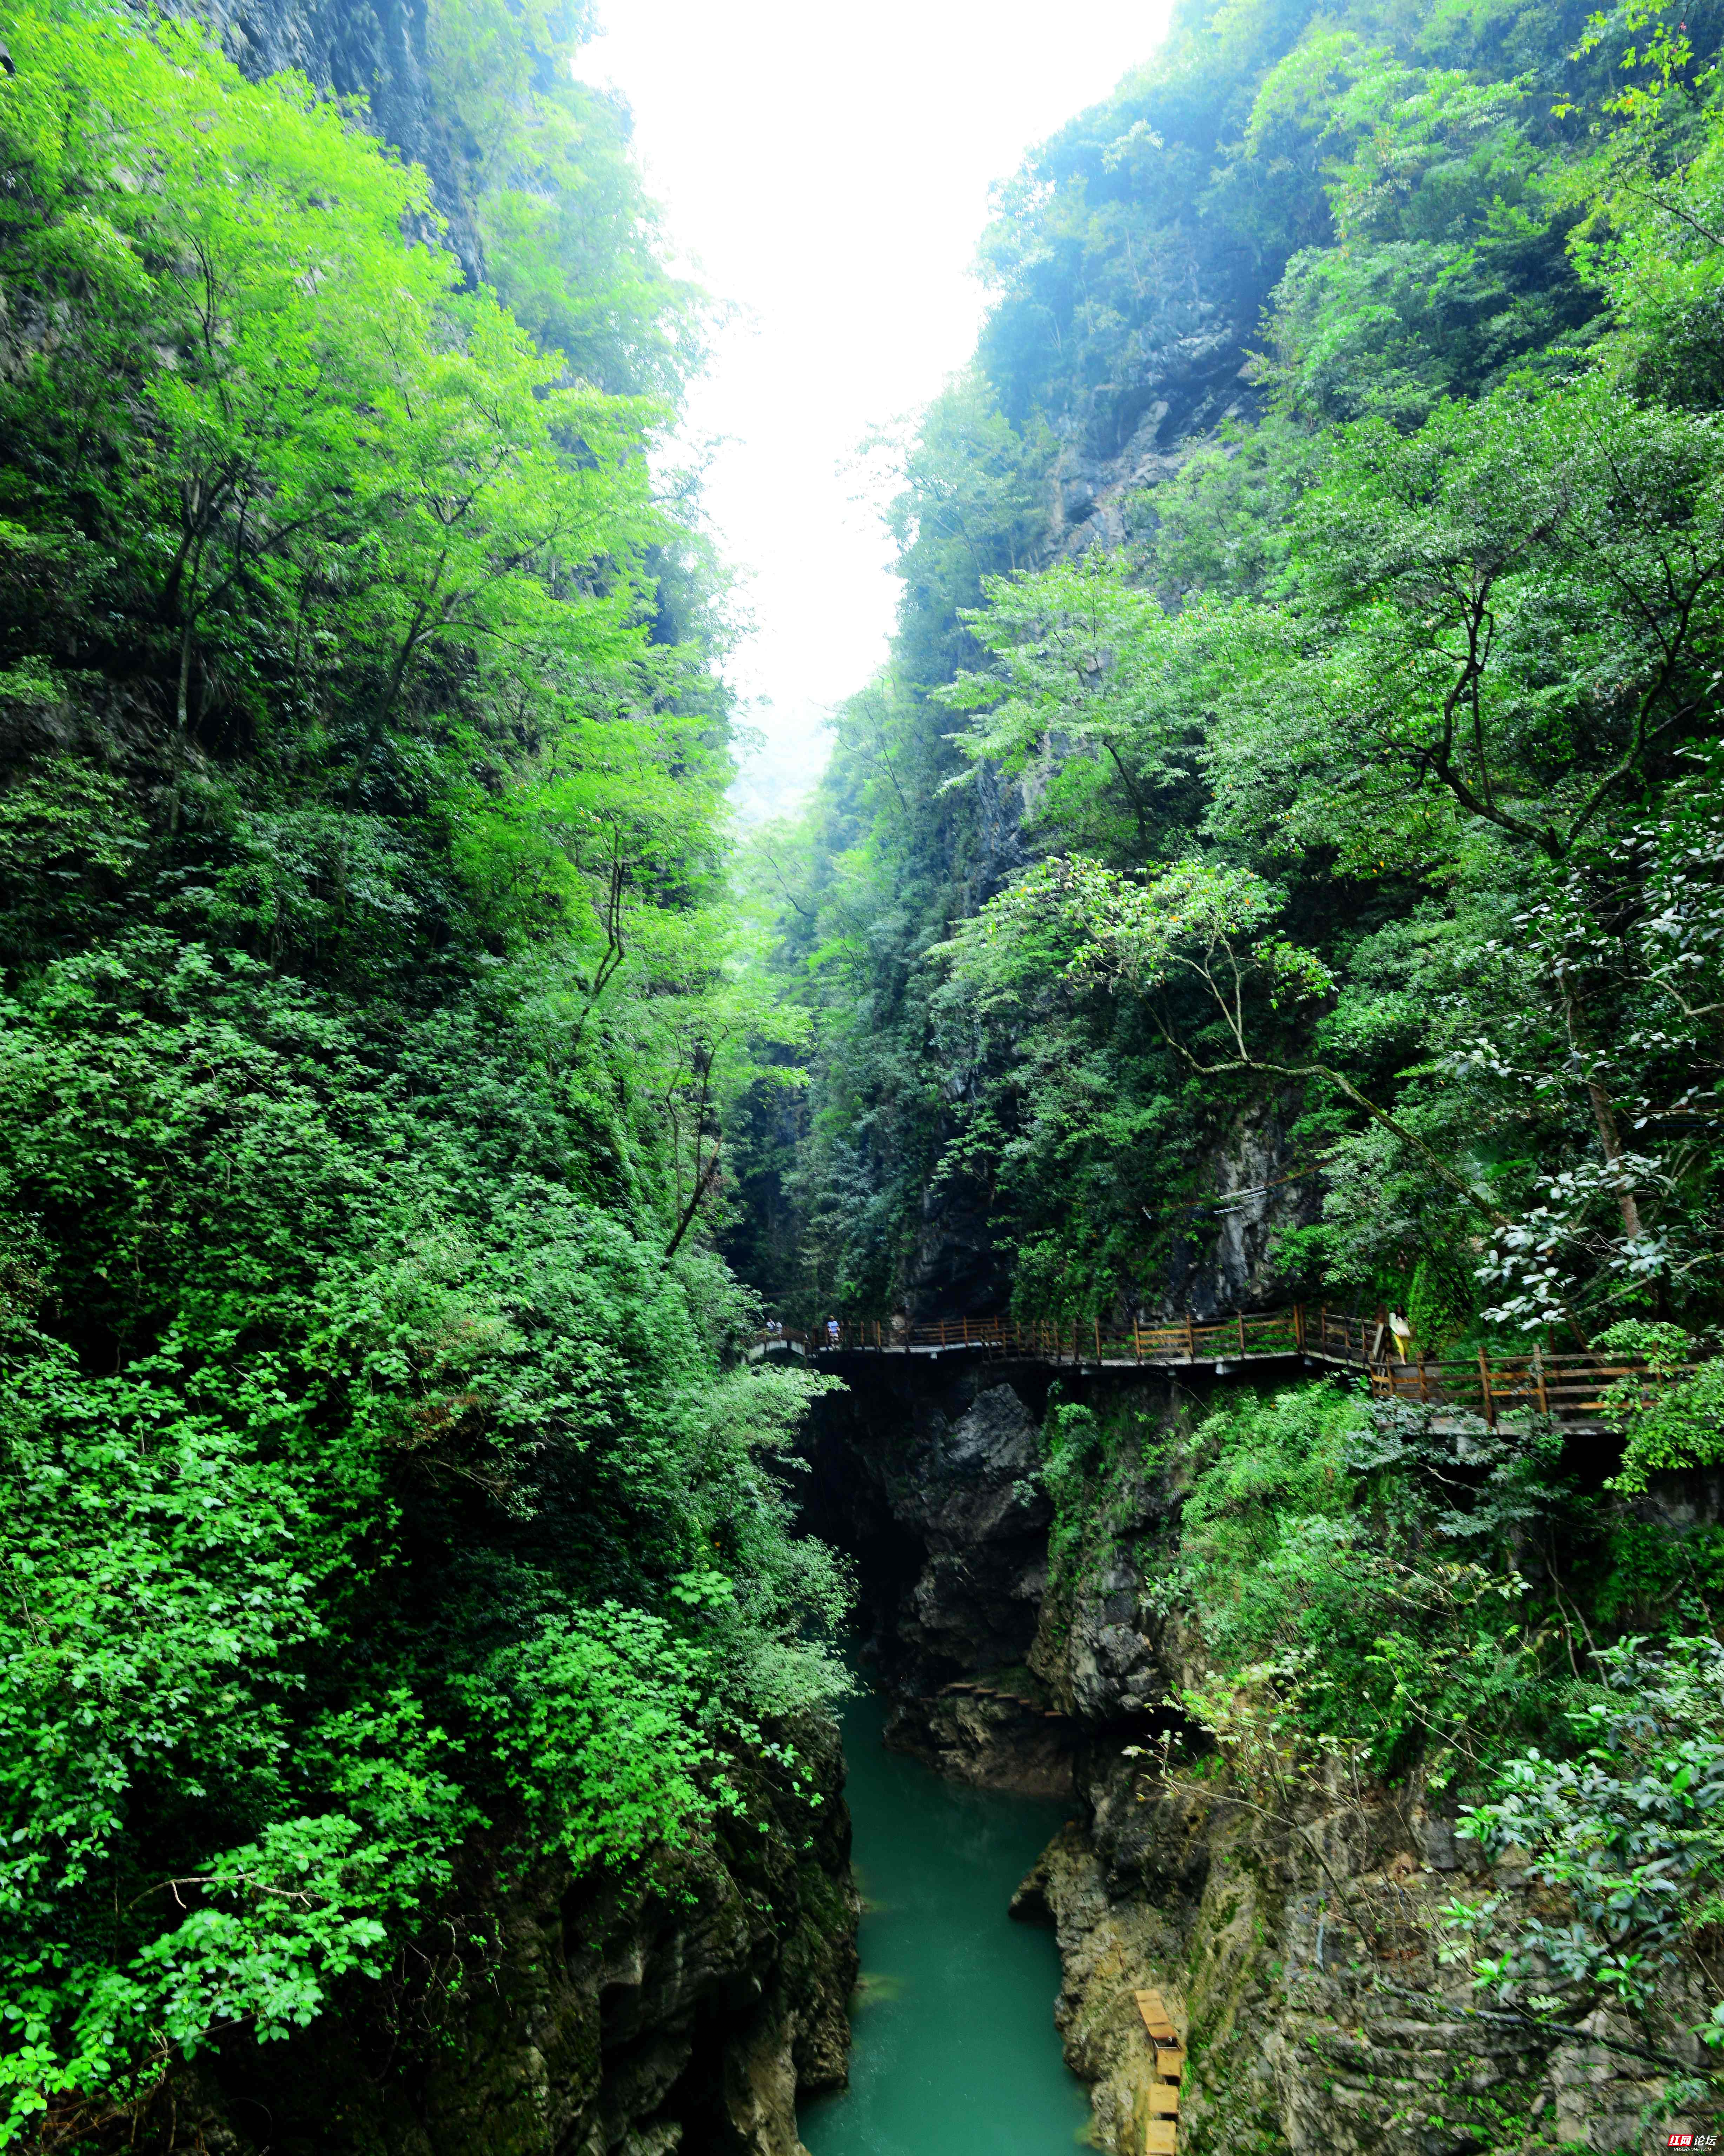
point(1568, 1388)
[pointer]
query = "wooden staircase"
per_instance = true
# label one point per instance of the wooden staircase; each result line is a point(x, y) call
point(1162, 2136)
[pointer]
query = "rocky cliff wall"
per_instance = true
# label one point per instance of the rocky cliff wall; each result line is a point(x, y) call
point(683, 2013)
point(377, 49)
point(1296, 1956)
point(924, 1472)
point(1221, 1258)
point(1295, 1942)
point(544, 2017)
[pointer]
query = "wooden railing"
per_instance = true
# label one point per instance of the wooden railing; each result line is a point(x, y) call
point(1569, 1388)
point(1301, 1329)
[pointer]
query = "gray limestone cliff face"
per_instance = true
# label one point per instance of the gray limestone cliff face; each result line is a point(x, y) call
point(1316, 2014)
point(1102, 494)
point(377, 49)
point(1296, 1941)
point(928, 1475)
point(929, 1472)
point(970, 1493)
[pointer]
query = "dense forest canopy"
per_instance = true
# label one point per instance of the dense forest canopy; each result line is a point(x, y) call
point(1298, 760)
point(377, 1480)
point(1304, 705)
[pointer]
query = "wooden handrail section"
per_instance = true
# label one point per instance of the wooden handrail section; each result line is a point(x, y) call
point(1568, 1388)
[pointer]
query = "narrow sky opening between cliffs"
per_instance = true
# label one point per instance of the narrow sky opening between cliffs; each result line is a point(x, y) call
point(827, 171)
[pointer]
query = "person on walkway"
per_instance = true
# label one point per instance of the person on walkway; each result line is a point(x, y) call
point(1402, 1335)
point(831, 1332)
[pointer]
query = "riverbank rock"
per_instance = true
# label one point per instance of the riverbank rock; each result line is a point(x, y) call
point(1296, 1954)
point(685, 2012)
point(1000, 1736)
point(1297, 1959)
point(927, 1472)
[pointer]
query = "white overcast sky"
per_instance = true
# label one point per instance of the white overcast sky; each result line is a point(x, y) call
point(825, 169)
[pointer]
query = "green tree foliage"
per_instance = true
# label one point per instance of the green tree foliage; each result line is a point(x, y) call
point(571, 241)
point(1335, 789)
point(1374, 1578)
point(1673, 1416)
point(1426, 642)
point(1627, 1834)
point(386, 1506)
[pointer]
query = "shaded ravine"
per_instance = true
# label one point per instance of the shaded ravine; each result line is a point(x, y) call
point(954, 2051)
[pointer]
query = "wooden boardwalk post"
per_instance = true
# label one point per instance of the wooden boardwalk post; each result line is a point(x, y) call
point(1490, 1404)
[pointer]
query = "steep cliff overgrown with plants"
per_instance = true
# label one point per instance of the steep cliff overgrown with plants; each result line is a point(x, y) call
point(1426, 1847)
point(1296, 753)
point(1284, 858)
point(390, 1525)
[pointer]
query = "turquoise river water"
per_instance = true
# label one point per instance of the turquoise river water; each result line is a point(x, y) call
point(953, 2047)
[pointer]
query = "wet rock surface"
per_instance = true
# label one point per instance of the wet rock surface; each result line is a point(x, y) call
point(927, 1472)
point(1315, 2014)
point(924, 1469)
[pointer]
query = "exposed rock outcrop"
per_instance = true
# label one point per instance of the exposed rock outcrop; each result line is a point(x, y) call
point(1295, 1938)
point(602, 2019)
point(1317, 2014)
point(928, 1473)
point(377, 49)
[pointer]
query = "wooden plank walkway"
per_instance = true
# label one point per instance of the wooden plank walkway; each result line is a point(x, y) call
point(1568, 1388)
point(1161, 2130)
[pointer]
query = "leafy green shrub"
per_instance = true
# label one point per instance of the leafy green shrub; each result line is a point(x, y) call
point(380, 1485)
point(1439, 1303)
point(1370, 1566)
point(1659, 1577)
point(596, 1720)
point(1096, 1458)
point(1674, 1418)
point(1071, 1439)
point(1629, 1833)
